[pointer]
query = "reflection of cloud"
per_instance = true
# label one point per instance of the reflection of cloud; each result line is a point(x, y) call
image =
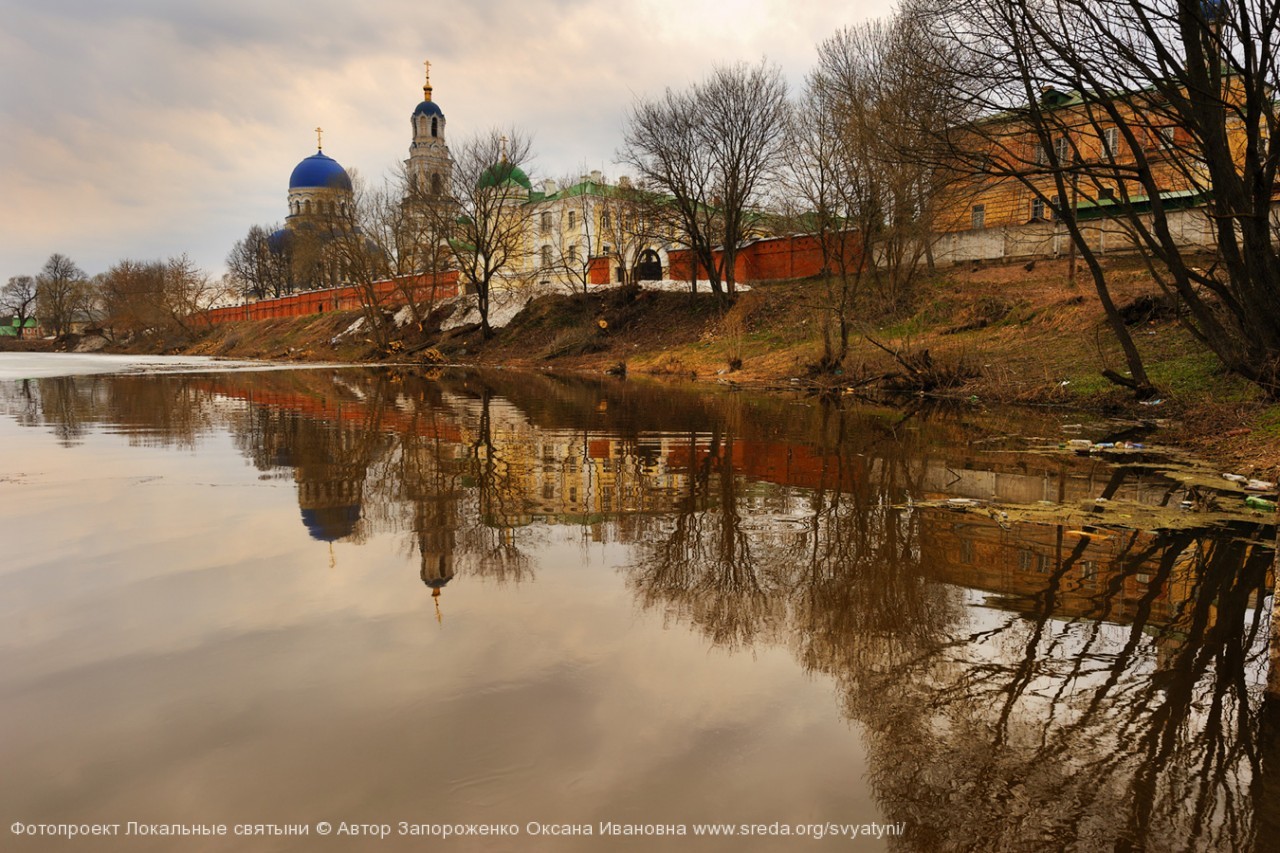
point(145, 129)
point(187, 655)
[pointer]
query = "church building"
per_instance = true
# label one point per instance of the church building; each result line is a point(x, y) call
point(591, 224)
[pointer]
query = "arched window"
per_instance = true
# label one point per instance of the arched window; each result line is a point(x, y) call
point(546, 256)
point(572, 218)
point(433, 127)
point(306, 206)
point(546, 221)
point(437, 184)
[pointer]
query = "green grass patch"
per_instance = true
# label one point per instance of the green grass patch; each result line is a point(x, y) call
point(1089, 384)
point(1268, 421)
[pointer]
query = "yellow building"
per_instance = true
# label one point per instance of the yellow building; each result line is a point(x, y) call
point(1110, 154)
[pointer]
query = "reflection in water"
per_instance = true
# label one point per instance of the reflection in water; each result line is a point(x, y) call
point(1019, 686)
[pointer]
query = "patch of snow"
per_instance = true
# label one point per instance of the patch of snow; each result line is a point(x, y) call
point(91, 343)
point(704, 285)
point(349, 330)
point(403, 317)
point(504, 305)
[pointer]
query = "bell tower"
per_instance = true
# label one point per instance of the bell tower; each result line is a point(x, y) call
point(429, 165)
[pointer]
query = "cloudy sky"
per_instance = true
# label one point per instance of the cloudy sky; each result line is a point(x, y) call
point(149, 128)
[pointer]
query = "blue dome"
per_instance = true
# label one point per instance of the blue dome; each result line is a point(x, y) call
point(320, 171)
point(278, 243)
point(428, 108)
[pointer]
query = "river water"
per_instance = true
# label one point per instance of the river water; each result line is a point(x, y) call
point(394, 598)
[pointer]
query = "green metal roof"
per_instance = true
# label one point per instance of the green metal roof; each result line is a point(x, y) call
point(1098, 208)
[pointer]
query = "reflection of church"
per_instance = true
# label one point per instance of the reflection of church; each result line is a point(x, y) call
point(330, 464)
point(435, 521)
point(329, 495)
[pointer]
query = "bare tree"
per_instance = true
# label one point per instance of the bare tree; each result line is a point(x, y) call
point(261, 264)
point(829, 187)
point(189, 294)
point(711, 149)
point(360, 237)
point(864, 166)
point(157, 297)
point(1129, 111)
point(18, 299)
point(61, 293)
point(568, 231)
point(634, 222)
point(485, 220)
point(894, 100)
point(418, 247)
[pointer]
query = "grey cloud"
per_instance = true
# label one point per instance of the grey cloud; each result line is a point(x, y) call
point(148, 127)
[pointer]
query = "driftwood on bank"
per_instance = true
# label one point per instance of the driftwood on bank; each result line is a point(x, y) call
point(920, 372)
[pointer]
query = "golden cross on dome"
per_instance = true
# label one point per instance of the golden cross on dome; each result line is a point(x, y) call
point(426, 86)
point(319, 139)
point(503, 139)
point(427, 65)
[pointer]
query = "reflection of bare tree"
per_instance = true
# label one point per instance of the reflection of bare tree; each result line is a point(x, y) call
point(490, 543)
point(701, 562)
point(1116, 702)
point(862, 603)
point(68, 405)
point(152, 410)
point(21, 402)
point(168, 410)
point(1077, 731)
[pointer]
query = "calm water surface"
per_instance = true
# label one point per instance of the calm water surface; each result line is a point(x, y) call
point(362, 596)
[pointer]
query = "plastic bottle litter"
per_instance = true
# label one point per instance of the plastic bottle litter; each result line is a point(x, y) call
point(1259, 486)
point(1255, 502)
point(1079, 444)
point(1235, 478)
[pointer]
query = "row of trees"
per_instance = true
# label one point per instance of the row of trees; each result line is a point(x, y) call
point(162, 297)
point(59, 296)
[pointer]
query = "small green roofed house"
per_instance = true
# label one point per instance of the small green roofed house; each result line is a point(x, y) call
point(9, 327)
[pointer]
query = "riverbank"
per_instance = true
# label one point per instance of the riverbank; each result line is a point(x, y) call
point(1015, 334)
